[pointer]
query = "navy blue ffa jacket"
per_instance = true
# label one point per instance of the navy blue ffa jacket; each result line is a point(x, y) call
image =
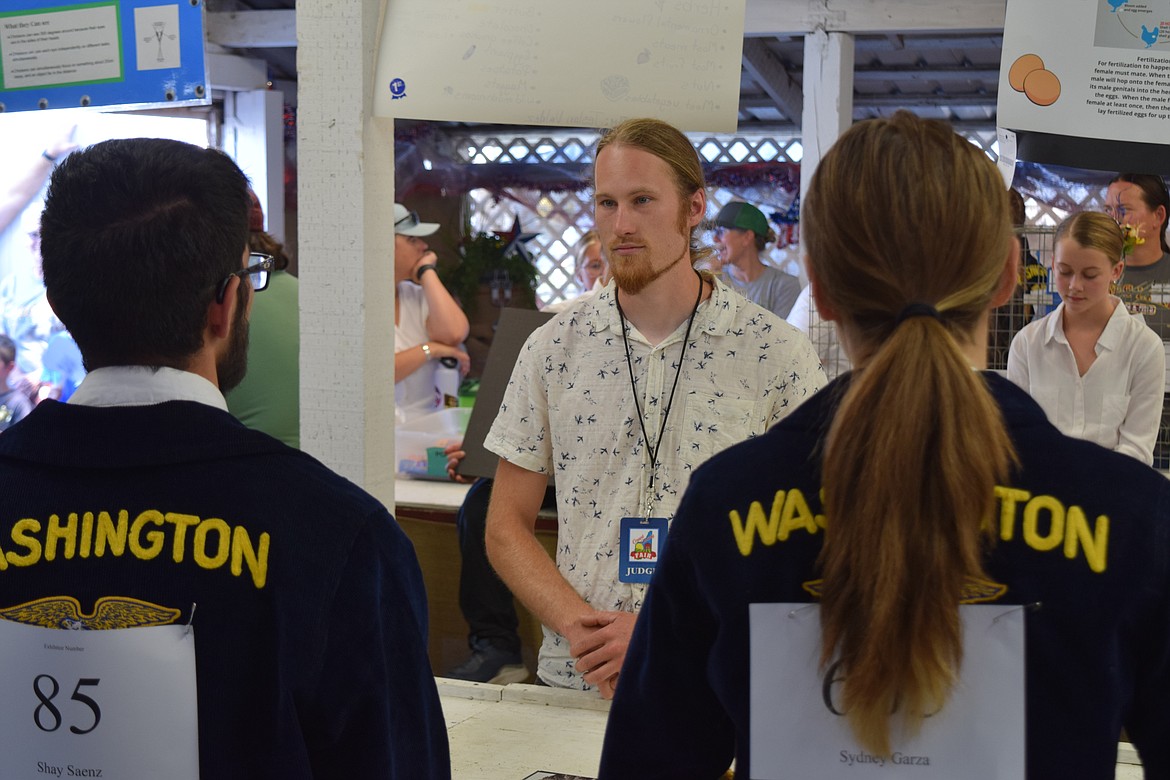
point(1082, 530)
point(310, 626)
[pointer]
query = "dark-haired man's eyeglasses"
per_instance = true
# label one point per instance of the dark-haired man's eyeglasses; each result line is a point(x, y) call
point(410, 220)
point(258, 270)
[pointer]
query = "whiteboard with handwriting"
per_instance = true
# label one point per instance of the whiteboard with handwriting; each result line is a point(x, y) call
point(588, 64)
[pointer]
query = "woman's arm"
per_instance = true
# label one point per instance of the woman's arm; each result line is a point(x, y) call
point(446, 322)
point(413, 358)
point(30, 181)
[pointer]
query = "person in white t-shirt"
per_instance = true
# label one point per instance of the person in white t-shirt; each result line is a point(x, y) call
point(428, 323)
point(1096, 370)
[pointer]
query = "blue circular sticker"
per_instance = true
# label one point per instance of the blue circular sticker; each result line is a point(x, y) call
point(397, 88)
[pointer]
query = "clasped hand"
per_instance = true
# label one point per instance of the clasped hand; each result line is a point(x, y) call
point(599, 643)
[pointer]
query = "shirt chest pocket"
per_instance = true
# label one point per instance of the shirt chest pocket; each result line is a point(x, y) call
point(714, 423)
point(1113, 409)
point(1049, 400)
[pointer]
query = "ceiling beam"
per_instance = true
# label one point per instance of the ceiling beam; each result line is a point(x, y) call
point(784, 128)
point(929, 73)
point(236, 74)
point(949, 100)
point(796, 17)
point(253, 29)
point(772, 77)
point(891, 42)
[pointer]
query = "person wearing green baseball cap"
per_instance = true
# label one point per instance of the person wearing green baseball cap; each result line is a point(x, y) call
point(742, 232)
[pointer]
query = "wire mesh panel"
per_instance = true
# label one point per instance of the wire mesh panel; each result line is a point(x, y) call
point(1033, 297)
point(561, 211)
point(560, 214)
point(823, 335)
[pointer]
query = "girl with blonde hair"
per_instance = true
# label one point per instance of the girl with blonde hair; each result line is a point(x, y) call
point(902, 490)
point(1096, 371)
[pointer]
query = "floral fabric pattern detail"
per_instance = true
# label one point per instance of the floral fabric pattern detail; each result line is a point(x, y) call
point(569, 410)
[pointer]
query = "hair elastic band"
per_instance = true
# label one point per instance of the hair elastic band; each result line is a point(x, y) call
point(917, 310)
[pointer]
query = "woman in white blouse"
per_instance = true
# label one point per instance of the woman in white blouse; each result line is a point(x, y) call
point(1097, 371)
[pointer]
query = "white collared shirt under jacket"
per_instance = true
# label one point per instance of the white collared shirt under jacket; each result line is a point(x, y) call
point(569, 410)
point(1117, 403)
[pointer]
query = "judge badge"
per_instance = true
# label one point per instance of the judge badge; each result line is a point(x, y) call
point(642, 542)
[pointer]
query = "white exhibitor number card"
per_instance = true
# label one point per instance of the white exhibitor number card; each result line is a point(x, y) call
point(109, 704)
point(799, 730)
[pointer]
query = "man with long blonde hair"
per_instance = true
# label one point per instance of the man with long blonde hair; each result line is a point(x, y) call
point(620, 397)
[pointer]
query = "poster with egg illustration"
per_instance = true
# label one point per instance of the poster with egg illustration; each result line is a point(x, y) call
point(1093, 69)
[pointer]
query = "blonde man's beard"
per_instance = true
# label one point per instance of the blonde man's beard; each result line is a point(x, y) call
point(635, 275)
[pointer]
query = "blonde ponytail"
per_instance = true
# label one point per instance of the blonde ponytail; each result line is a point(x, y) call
point(918, 443)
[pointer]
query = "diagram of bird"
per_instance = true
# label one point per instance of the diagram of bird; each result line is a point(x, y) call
point(1149, 37)
point(1117, 4)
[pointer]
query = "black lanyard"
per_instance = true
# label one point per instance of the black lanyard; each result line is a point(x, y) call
point(670, 402)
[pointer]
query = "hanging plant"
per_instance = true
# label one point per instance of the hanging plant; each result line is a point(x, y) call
point(488, 259)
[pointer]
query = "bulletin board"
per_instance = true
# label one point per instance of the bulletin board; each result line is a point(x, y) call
point(566, 64)
point(1088, 81)
point(109, 54)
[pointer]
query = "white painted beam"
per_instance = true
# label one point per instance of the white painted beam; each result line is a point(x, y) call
point(253, 29)
point(828, 97)
point(288, 89)
point(796, 17)
point(253, 127)
point(345, 192)
point(236, 74)
point(767, 71)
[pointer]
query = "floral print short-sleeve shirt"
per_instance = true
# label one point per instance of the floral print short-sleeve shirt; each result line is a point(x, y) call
point(569, 410)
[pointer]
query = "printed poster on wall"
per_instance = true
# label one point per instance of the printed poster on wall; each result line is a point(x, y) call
point(564, 64)
point(109, 53)
point(1099, 68)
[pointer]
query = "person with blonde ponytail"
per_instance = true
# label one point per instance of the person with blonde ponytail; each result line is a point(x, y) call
point(904, 489)
point(1096, 371)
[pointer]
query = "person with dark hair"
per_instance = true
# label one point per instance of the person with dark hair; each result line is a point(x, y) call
point(742, 232)
point(1141, 201)
point(14, 404)
point(484, 600)
point(909, 498)
point(620, 397)
point(143, 498)
point(1097, 371)
point(269, 397)
point(1141, 205)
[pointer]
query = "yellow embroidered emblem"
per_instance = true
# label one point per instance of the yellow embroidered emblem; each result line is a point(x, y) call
point(975, 590)
point(108, 612)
